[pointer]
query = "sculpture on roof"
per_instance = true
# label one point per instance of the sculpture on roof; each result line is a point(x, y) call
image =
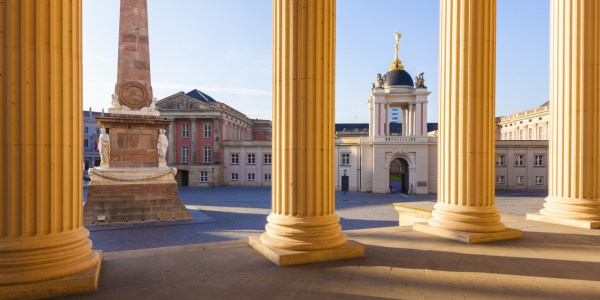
point(420, 81)
point(379, 81)
point(373, 89)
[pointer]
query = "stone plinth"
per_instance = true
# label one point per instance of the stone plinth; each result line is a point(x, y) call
point(560, 221)
point(284, 258)
point(407, 215)
point(468, 237)
point(115, 197)
point(84, 281)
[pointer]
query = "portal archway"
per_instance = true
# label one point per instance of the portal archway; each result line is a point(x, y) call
point(400, 168)
point(399, 175)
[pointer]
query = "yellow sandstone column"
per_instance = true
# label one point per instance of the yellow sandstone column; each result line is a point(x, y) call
point(303, 217)
point(574, 162)
point(465, 210)
point(41, 234)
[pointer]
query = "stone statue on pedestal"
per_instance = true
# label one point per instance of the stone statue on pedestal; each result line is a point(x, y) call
point(163, 143)
point(104, 147)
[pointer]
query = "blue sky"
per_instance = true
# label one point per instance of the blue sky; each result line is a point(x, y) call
point(224, 49)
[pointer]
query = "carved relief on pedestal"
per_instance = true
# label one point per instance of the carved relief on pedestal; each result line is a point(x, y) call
point(134, 95)
point(104, 146)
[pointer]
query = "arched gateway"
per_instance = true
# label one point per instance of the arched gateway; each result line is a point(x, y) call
point(399, 175)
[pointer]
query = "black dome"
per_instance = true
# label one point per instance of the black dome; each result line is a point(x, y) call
point(398, 77)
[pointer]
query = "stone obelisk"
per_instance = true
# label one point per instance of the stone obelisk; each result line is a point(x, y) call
point(133, 183)
point(133, 75)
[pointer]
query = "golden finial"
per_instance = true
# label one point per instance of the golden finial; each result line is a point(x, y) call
point(397, 64)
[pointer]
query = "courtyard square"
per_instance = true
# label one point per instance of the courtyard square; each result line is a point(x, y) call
point(549, 262)
point(241, 212)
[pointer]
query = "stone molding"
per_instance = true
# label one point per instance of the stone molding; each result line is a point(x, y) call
point(94, 171)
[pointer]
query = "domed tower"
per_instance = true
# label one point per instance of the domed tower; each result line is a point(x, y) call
point(397, 89)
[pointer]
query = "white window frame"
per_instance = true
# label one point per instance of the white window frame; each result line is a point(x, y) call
point(235, 159)
point(267, 176)
point(250, 176)
point(207, 155)
point(185, 130)
point(500, 180)
point(207, 130)
point(234, 177)
point(500, 160)
point(539, 179)
point(531, 134)
point(522, 134)
point(520, 160)
point(203, 176)
point(185, 154)
point(522, 180)
point(345, 159)
point(268, 159)
point(511, 135)
point(541, 133)
point(539, 160)
point(251, 159)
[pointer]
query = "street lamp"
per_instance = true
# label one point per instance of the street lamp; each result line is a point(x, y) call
point(213, 170)
point(345, 182)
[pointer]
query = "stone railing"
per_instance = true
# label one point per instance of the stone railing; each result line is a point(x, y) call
point(525, 113)
point(399, 139)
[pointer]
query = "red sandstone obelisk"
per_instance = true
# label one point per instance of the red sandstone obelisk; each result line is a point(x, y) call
point(133, 183)
point(134, 55)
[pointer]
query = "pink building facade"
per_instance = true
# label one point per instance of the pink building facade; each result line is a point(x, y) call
point(200, 130)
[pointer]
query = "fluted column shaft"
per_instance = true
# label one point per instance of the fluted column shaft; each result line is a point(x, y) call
point(41, 228)
point(303, 201)
point(574, 185)
point(466, 117)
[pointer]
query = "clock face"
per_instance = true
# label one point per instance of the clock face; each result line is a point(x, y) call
point(134, 95)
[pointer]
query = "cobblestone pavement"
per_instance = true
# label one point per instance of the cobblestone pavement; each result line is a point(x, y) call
point(241, 212)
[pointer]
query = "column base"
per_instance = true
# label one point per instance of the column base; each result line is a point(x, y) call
point(86, 281)
point(575, 223)
point(284, 258)
point(468, 237)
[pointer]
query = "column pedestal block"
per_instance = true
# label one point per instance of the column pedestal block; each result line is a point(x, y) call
point(86, 281)
point(284, 258)
point(575, 223)
point(468, 237)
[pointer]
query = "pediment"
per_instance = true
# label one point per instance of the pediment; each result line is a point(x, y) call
point(183, 102)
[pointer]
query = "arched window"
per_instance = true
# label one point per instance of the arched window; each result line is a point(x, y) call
point(185, 154)
point(207, 155)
